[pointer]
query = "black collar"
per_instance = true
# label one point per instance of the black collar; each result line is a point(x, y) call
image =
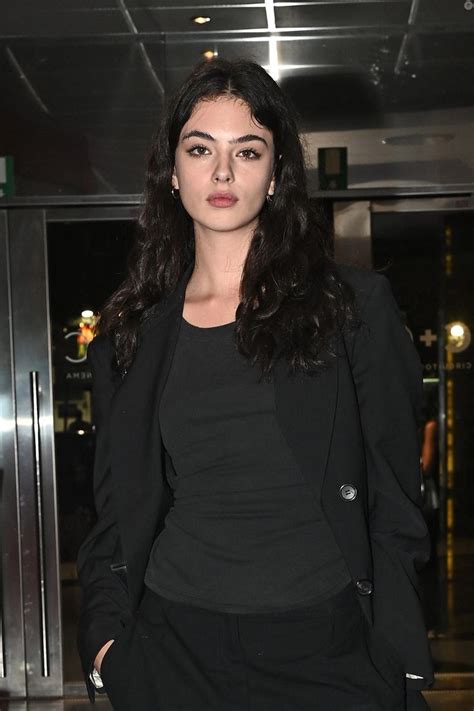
point(155, 313)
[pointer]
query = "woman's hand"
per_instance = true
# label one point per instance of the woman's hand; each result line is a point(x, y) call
point(101, 654)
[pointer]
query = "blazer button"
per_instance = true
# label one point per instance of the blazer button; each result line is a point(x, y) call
point(364, 587)
point(348, 492)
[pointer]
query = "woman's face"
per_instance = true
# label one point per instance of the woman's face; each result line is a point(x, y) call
point(224, 164)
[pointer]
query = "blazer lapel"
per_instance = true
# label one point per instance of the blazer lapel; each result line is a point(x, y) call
point(136, 446)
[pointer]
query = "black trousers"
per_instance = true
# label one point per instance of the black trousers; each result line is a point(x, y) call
point(178, 657)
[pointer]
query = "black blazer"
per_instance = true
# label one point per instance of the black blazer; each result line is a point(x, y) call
point(353, 429)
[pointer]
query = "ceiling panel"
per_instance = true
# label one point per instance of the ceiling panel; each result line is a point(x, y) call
point(199, 7)
point(181, 57)
point(61, 77)
point(177, 20)
point(444, 12)
point(332, 3)
point(343, 15)
point(48, 6)
point(446, 47)
point(356, 52)
point(20, 21)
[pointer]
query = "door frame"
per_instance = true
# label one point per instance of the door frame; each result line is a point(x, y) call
point(12, 634)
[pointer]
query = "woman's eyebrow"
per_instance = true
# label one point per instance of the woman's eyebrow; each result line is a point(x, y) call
point(208, 137)
point(198, 134)
point(249, 137)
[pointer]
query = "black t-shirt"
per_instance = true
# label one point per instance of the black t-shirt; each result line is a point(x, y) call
point(245, 533)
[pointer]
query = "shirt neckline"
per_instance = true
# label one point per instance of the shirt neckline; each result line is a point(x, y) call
point(206, 329)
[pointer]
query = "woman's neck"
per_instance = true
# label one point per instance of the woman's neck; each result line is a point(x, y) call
point(218, 264)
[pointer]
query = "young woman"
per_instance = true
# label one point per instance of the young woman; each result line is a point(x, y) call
point(257, 473)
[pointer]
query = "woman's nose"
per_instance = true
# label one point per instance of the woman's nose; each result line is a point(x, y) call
point(223, 172)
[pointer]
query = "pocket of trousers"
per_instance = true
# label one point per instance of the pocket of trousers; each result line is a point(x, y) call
point(104, 668)
point(108, 662)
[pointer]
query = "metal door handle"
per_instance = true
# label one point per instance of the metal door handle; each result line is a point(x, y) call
point(35, 414)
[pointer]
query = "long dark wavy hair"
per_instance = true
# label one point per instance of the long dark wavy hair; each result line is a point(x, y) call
point(292, 298)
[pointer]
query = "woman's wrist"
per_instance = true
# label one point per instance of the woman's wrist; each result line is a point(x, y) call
point(101, 654)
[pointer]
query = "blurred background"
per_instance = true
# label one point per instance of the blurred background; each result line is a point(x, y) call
point(384, 90)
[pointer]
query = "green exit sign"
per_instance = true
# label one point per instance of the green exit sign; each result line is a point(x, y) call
point(6, 176)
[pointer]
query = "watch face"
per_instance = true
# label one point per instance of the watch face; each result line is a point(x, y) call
point(96, 679)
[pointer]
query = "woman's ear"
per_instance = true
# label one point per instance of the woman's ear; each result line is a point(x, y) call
point(174, 180)
point(271, 187)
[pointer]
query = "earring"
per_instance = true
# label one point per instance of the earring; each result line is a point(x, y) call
point(269, 199)
point(175, 193)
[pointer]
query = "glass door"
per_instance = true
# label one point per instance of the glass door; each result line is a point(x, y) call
point(56, 269)
point(86, 254)
point(37, 601)
point(425, 248)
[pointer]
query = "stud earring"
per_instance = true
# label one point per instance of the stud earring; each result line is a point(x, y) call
point(175, 193)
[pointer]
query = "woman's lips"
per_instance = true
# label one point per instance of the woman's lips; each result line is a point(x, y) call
point(222, 199)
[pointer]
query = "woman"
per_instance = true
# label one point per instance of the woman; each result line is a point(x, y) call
point(256, 476)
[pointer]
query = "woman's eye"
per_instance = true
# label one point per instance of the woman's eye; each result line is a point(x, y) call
point(198, 151)
point(250, 154)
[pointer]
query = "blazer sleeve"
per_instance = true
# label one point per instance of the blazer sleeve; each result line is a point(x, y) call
point(105, 602)
point(387, 373)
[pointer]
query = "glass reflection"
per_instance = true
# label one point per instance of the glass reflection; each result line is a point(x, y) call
point(429, 258)
point(86, 261)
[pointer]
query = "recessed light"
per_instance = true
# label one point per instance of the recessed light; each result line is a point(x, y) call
point(209, 54)
point(201, 19)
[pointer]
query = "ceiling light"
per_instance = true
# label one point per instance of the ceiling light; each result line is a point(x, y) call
point(87, 313)
point(458, 336)
point(201, 19)
point(209, 54)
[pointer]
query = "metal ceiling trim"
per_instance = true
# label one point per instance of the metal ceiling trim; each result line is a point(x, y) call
point(283, 3)
point(144, 54)
point(431, 204)
point(283, 33)
point(415, 6)
point(461, 191)
point(337, 31)
point(264, 36)
point(19, 69)
point(354, 32)
point(340, 2)
point(223, 6)
point(91, 213)
point(46, 201)
point(395, 193)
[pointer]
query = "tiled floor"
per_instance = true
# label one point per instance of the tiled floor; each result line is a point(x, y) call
point(447, 700)
point(438, 701)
